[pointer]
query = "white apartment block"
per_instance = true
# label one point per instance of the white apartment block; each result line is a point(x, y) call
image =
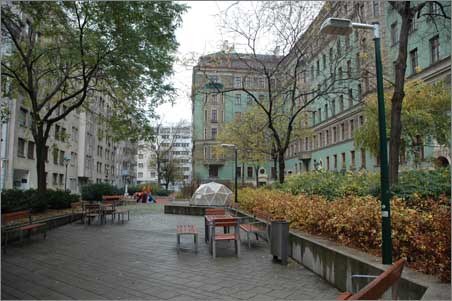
point(179, 139)
point(79, 140)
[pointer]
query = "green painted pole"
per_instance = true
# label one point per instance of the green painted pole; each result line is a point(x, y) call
point(235, 178)
point(384, 173)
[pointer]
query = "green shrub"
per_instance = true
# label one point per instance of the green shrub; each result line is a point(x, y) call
point(14, 200)
point(38, 202)
point(59, 199)
point(423, 183)
point(332, 185)
point(94, 192)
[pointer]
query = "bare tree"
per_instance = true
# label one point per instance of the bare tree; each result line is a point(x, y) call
point(164, 158)
point(280, 66)
point(408, 12)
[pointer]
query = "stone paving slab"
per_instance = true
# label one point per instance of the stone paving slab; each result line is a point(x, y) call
point(138, 260)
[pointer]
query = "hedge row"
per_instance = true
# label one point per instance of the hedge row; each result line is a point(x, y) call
point(421, 233)
point(16, 200)
point(332, 185)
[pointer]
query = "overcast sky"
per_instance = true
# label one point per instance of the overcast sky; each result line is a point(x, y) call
point(198, 35)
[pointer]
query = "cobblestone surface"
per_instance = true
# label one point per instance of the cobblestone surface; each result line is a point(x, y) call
point(138, 260)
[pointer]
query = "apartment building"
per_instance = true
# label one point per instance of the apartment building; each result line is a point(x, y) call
point(78, 143)
point(173, 143)
point(345, 63)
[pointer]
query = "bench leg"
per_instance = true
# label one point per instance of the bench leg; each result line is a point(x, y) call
point(195, 238)
point(178, 243)
point(214, 253)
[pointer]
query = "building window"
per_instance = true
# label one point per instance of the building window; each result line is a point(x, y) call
point(214, 116)
point(238, 172)
point(213, 171)
point(333, 107)
point(61, 157)
point(214, 99)
point(352, 127)
point(21, 148)
point(23, 117)
point(394, 34)
point(335, 162)
point(313, 118)
point(140, 175)
point(340, 72)
point(318, 68)
point(57, 132)
point(349, 68)
point(214, 133)
point(261, 82)
point(434, 49)
point(31, 150)
point(361, 120)
point(140, 156)
point(341, 103)
point(61, 179)
point(414, 60)
point(237, 82)
point(46, 154)
point(238, 99)
point(363, 158)
point(347, 42)
point(350, 98)
point(375, 8)
point(331, 56)
point(249, 99)
point(358, 62)
point(339, 48)
point(360, 91)
point(249, 172)
point(320, 114)
point(343, 160)
point(324, 61)
point(327, 163)
point(334, 134)
point(54, 179)
point(140, 165)
point(352, 159)
point(326, 111)
point(342, 131)
point(413, 26)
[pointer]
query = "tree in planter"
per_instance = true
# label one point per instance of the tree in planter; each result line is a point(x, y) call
point(421, 121)
point(408, 11)
point(65, 51)
point(281, 77)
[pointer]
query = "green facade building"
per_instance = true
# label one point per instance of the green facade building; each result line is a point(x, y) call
point(344, 63)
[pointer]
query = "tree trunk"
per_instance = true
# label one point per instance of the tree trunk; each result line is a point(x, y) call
point(398, 95)
point(282, 167)
point(243, 174)
point(275, 165)
point(257, 175)
point(40, 144)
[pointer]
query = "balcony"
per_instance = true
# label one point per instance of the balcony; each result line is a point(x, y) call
point(306, 155)
point(213, 161)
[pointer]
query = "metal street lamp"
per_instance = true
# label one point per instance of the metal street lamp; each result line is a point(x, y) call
point(338, 26)
point(66, 163)
point(235, 169)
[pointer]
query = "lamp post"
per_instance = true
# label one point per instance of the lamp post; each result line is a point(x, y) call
point(337, 26)
point(66, 163)
point(235, 169)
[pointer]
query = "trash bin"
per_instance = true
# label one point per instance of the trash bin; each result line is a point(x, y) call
point(279, 240)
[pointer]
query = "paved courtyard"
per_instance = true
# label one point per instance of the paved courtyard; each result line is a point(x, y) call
point(138, 260)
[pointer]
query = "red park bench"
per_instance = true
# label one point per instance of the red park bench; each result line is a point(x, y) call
point(11, 222)
point(187, 230)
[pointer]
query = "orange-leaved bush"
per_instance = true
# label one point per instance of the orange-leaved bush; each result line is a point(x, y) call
point(419, 234)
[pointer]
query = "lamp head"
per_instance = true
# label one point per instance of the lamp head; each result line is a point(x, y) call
point(336, 26)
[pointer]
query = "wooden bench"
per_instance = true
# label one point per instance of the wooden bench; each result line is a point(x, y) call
point(209, 212)
point(260, 225)
point(187, 230)
point(112, 198)
point(92, 211)
point(225, 223)
point(377, 287)
point(27, 226)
